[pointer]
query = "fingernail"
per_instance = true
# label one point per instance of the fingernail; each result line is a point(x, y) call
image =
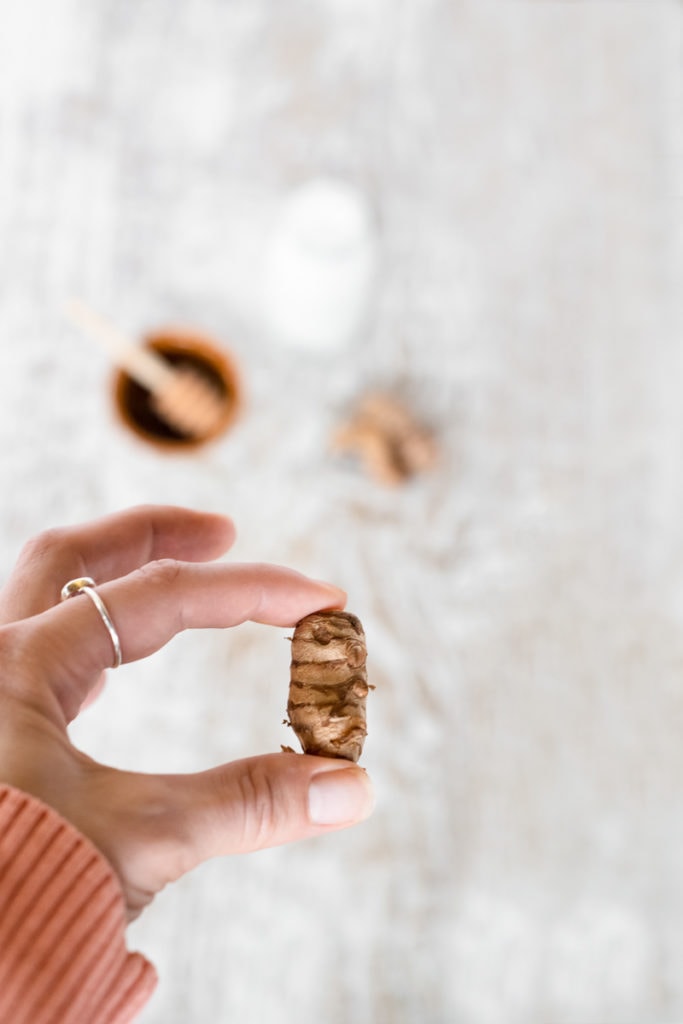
point(340, 797)
point(338, 595)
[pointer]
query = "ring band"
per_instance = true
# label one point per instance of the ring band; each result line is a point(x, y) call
point(86, 585)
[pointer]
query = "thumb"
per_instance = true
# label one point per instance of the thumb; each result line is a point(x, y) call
point(269, 800)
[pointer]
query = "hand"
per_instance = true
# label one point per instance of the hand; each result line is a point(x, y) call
point(153, 570)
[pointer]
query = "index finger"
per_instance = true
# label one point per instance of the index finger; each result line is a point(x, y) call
point(151, 605)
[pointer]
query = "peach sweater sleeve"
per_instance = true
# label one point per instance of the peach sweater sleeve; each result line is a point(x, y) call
point(63, 956)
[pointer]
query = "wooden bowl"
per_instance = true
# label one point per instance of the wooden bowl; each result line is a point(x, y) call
point(187, 348)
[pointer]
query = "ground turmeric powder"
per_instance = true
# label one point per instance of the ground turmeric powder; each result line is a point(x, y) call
point(328, 685)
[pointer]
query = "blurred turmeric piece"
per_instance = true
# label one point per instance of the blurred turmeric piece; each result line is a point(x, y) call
point(390, 443)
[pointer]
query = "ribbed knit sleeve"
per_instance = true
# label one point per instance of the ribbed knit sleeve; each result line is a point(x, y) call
point(63, 957)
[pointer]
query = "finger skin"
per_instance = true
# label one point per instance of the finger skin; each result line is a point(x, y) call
point(260, 802)
point(159, 827)
point(108, 548)
point(151, 605)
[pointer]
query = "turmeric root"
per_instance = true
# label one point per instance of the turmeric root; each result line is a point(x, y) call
point(387, 438)
point(328, 686)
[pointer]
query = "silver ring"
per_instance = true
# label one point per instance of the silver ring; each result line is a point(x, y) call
point(86, 585)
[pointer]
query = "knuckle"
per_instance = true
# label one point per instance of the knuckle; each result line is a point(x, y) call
point(22, 678)
point(162, 572)
point(145, 509)
point(49, 545)
point(259, 806)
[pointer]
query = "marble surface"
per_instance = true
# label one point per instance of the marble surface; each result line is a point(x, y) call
point(523, 603)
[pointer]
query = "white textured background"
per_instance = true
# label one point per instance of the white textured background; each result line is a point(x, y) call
point(523, 606)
